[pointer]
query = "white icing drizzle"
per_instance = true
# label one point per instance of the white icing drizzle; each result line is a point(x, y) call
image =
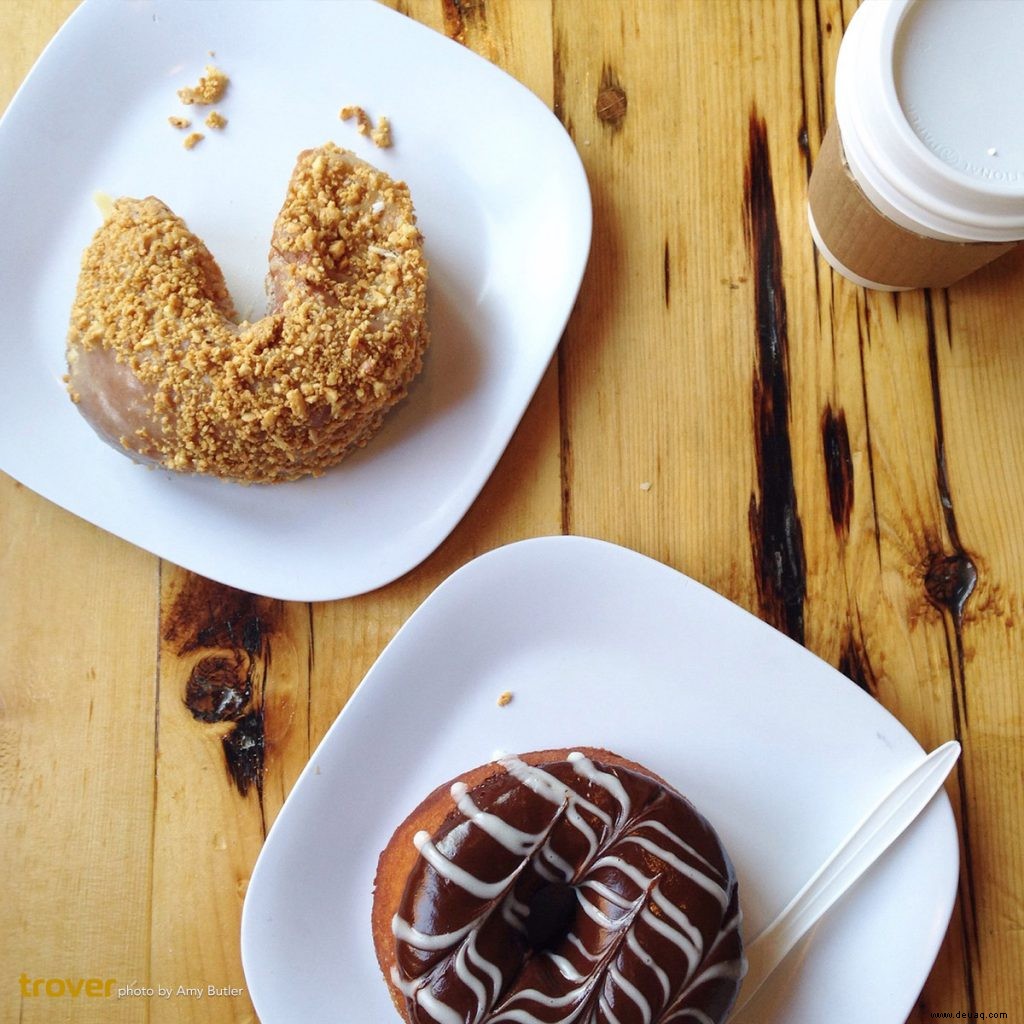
point(406, 987)
point(554, 791)
point(558, 863)
point(582, 765)
point(485, 965)
point(632, 991)
point(513, 912)
point(680, 919)
point(707, 884)
point(460, 876)
point(666, 831)
point(565, 966)
point(648, 961)
point(534, 995)
point(692, 1013)
point(602, 890)
point(512, 839)
point(607, 1009)
point(730, 970)
point(404, 932)
point(441, 1012)
point(469, 979)
point(525, 1017)
point(576, 941)
point(592, 912)
point(675, 937)
point(632, 873)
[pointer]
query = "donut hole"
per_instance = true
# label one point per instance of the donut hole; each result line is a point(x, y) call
point(552, 911)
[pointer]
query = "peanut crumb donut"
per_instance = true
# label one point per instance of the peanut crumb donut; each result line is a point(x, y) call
point(160, 367)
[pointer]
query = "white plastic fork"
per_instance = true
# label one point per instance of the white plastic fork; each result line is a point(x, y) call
point(855, 854)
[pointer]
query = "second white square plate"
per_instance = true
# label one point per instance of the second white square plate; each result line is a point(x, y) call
point(603, 647)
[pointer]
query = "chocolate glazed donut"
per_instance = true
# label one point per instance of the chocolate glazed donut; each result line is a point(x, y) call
point(560, 887)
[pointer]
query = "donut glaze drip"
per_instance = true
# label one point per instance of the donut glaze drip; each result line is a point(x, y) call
point(653, 937)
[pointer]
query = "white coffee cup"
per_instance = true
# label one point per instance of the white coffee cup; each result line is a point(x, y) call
point(920, 178)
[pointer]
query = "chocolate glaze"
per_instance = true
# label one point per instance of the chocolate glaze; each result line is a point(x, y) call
point(639, 901)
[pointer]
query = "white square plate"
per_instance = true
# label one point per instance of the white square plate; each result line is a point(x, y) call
point(500, 194)
point(603, 647)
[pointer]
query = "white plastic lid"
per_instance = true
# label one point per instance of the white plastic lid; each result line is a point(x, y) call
point(929, 103)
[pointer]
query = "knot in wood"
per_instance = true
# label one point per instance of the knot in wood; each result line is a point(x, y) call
point(611, 104)
point(219, 687)
point(949, 580)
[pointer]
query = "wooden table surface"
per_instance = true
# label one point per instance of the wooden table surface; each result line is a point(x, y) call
point(848, 466)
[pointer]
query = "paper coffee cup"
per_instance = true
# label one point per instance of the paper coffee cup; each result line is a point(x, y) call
point(920, 178)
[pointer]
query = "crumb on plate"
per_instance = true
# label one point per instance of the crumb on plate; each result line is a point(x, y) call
point(179, 122)
point(381, 135)
point(193, 139)
point(209, 89)
point(505, 699)
point(363, 123)
point(215, 119)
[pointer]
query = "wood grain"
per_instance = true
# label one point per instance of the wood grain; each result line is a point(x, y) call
point(847, 465)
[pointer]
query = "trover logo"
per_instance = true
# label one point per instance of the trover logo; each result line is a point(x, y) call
point(56, 988)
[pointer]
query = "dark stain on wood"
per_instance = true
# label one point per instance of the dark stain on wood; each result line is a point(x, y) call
point(558, 82)
point(666, 272)
point(465, 21)
point(775, 529)
point(206, 615)
point(244, 748)
point(856, 666)
point(228, 684)
point(864, 339)
point(612, 102)
point(835, 443)
point(811, 92)
point(950, 578)
point(565, 451)
point(454, 23)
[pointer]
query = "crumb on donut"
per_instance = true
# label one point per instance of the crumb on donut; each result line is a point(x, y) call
point(179, 122)
point(193, 139)
point(210, 88)
point(215, 119)
point(505, 699)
